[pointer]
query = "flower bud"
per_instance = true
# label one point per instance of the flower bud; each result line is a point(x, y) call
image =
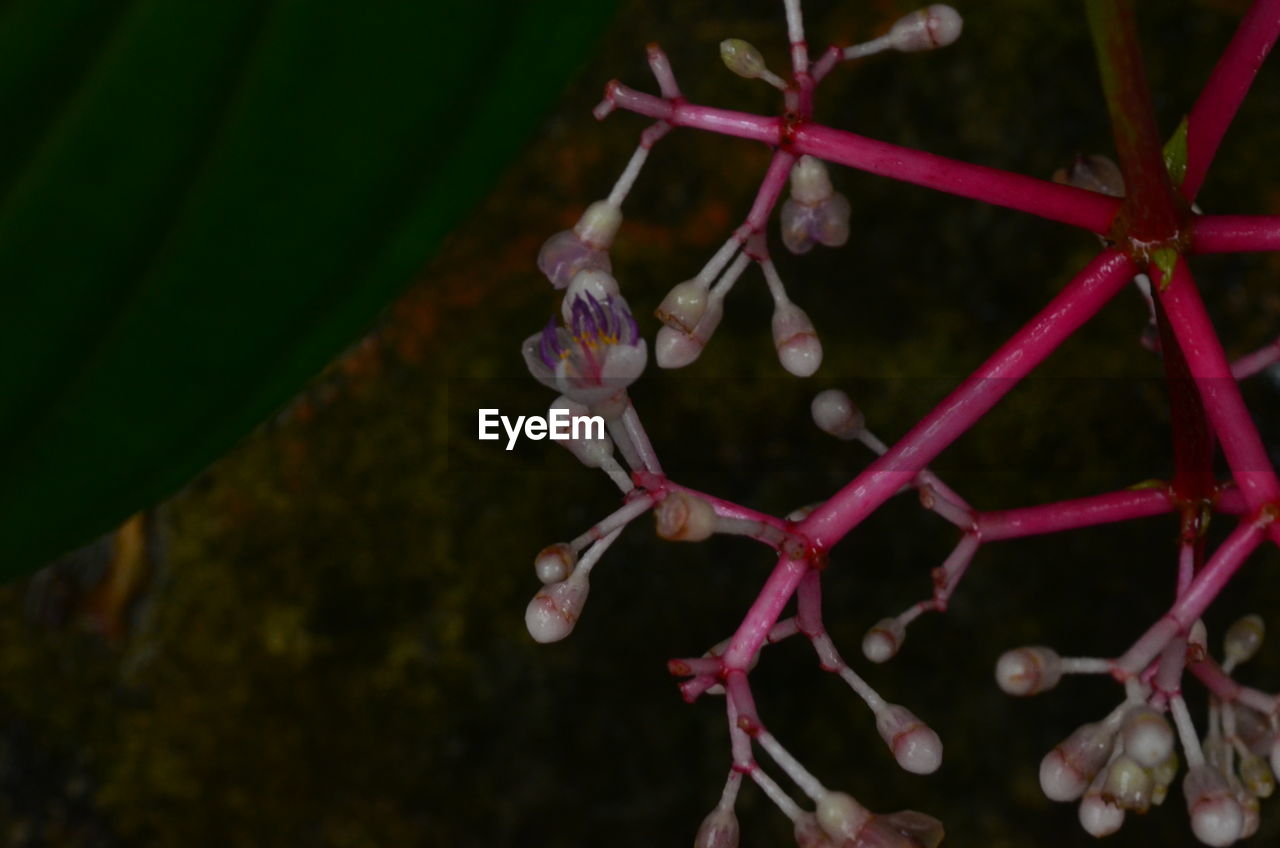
point(914, 744)
point(1147, 736)
point(554, 611)
point(925, 29)
point(742, 58)
point(1098, 816)
point(1128, 785)
point(841, 816)
point(1163, 776)
point(682, 517)
point(884, 640)
point(718, 830)
point(1216, 816)
point(799, 350)
point(674, 349)
point(1067, 770)
point(830, 224)
point(810, 183)
point(1243, 639)
point(599, 224)
point(565, 254)
point(835, 413)
point(554, 563)
point(683, 306)
point(1029, 671)
point(597, 282)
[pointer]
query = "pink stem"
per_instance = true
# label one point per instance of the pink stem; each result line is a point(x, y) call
point(1073, 514)
point(1075, 304)
point(657, 484)
point(827, 524)
point(1235, 233)
point(775, 180)
point(1245, 453)
point(1228, 83)
point(1062, 203)
point(1220, 568)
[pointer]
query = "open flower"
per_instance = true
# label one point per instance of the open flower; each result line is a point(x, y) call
point(594, 357)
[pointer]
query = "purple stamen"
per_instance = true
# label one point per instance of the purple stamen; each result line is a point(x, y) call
point(549, 347)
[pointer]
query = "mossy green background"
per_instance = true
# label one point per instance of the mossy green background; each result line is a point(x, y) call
point(331, 650)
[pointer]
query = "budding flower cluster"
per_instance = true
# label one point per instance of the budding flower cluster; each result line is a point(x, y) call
point(815, 212)
point(585, 247)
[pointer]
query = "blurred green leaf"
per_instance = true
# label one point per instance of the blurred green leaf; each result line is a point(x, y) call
point(201, 203)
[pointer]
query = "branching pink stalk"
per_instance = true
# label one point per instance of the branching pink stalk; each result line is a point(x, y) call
point(1126, 761)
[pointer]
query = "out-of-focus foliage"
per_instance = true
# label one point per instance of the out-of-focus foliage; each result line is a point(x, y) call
point(331, 649)
point(203, 203)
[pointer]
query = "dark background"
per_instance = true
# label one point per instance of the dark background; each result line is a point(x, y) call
point(321, 640)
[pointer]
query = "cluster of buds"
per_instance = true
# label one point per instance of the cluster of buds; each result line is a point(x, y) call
point(1126, 762)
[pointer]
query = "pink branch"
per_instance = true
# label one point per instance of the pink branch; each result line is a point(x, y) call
point(1235, 233)
point(1245, 453)
point(1075, 304)
point(1062, 203)
point(1228, 83)
point(1261, 359)
point(1073, 514)
point(775, 180)
point(827, 524)
point(1189, 606)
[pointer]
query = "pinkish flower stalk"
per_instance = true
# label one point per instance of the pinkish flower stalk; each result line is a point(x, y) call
point(1124, 763)
point(1225, 90)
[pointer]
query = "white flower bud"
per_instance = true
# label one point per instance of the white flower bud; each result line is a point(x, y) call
point(742, 58)
point(682, 517)
point(597, 282)
point(799, 350)
point(1243, 639)
point(925, 29)
point(1216, 816)
point(554, 611)
point(1128, 785)
point(1029, 671)
point(914, 744)
point(599, 224)
point(683, 306)
point(1067, 770)
point(883, 640)
point(831, 221)
point(554, 563)
point(1098, 816)
point(564, 254)
point(718, 830)
point(841, 816)
point(810, 183)
point(674, 349)
point(1147, 736)
point(835, 413)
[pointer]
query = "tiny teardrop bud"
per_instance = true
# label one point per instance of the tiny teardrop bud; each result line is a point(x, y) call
point(1067, 770)
point(718, 830)
point(1243, 639)
point(926, 29)
point(1147, 736)
point(884, 640)
point(683, 306)
point(810, 182)
point(841, 816)
point(914, 744)
point(1029, 671)
point(797, 343)
point(554, 563)
point(682, 517)
point(835, 413)
point(554, 611)
point(742, 58)
point(1216, 816)
point(599, 224)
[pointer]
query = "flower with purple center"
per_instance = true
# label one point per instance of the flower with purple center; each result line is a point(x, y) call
point(593, 357)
